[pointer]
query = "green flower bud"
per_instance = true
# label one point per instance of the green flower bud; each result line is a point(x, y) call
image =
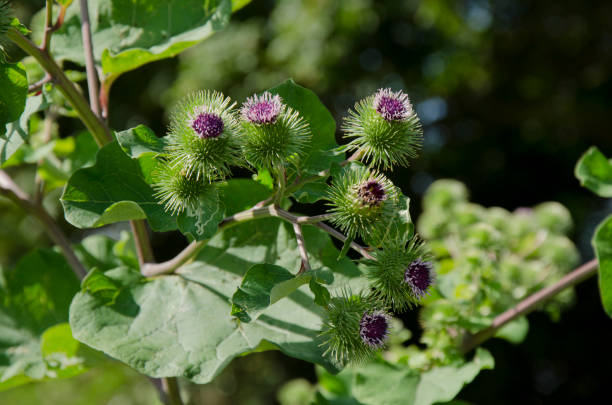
point(362, 202)
point(400, 273)
point(274, 133)
point(204, 136)
point(386, 128)
point(354, 328)
point(177, 190)
point(554, 217)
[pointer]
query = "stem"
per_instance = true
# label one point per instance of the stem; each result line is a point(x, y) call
point(15, 194)
point(282, 183)
point(92, 79)
point(156, 269)
point(95, 126)
point(48, 27)
point(142, 242)
point(302, 248)
point(529, 304)
point(340, 236)
point(171, 391)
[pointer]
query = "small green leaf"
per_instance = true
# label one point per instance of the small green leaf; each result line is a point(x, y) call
point(319, 152)
point(203, 222)
point(321, 293)
point(602, 242)
point(18, 131)
point(114, 189)
point(595, 172)
point(140, 140)
point(241, 194)
point(264, 177)
point(312, 192)
point(14, 85)
point(346, 246)
point(514, 331)
point(262, 286)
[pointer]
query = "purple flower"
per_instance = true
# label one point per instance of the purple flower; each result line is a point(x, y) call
point(419, 276)
point(263, 109)
point(392, 106)
point(372, 193)
point(208, 125)
point(374, 328)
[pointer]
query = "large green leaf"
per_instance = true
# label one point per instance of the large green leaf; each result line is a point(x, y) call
point(17, 132)
point(602, 242)
point(202, 222)
point(129, 34)
point(595, 172)
point(115, 189)
point(14, 85)
point(35, 341)
point(180, 325)
point(383, 383)
point(320, 152)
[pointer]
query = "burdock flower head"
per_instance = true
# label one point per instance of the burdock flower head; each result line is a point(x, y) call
point(374, 328)
point(398, 273)
point(274, 133)
point(354, 328)
point(204, 140)
point(385, 128)
point(177, 190)
point(419, 276)
point(263, 109)
point(362, 201)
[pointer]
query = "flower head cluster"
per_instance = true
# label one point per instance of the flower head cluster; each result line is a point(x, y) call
point(274, 134)
point(398, 273)
point(361, 201)
point(385, 128)
point(354, 328)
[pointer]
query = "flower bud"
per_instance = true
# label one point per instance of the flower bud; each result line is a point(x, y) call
point(385, 128)
point(274, 133)
point(204, 138)
point(362, 201)
point(177, 190)
point(399, 273)
point(354, 328)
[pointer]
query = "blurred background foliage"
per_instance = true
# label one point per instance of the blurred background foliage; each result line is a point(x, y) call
point(510, 94)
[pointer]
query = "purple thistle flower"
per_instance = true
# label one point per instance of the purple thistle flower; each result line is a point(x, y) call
point(392, 106)
point(208, 125)
point(372, 193)
point(374, 328)
point(419, 276)
point(263, 109)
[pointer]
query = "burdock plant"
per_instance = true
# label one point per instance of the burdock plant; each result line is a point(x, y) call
point(384, 129)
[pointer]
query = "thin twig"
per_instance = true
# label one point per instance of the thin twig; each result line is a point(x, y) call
point(92, 78)
point(36, 87)
point(48, 26)
point(302, 248)
point(144, 250)
point(338, 235)
point(20, 198)
point(529, 304)
point(95, 126)
point(156, 269)
point(313, 219)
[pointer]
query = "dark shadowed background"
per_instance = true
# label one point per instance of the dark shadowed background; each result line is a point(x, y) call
point(510, 94)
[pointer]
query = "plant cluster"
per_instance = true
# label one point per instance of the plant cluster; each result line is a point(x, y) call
point(255, 276)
